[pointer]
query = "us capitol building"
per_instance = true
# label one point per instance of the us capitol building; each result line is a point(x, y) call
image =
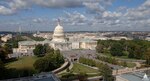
point(25, 48)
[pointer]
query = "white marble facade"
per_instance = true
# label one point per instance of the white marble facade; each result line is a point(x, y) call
point(58, 42)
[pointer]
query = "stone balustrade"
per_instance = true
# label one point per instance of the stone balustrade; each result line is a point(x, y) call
point(128, 70)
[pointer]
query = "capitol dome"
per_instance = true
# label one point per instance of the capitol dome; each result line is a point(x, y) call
point(59, 30)
point(58, 35)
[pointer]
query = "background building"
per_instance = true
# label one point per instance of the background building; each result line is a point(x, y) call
point(59, 41)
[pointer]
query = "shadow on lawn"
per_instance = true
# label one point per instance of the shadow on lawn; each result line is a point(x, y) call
point(17, 73)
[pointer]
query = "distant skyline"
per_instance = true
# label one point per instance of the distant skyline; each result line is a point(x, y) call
point(75, 15)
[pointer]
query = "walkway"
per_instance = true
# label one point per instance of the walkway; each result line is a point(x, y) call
point(128, 70)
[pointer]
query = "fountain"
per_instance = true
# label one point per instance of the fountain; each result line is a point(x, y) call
point(145, 78)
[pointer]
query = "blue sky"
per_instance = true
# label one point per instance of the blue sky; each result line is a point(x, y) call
point(75, 15)
point(126, 3)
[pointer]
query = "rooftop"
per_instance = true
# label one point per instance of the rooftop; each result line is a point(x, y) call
point(136, 76)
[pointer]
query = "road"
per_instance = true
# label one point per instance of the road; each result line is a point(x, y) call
point(87, 54)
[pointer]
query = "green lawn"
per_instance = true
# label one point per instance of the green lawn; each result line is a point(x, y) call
point(125, 57)
point(25, 62)
point(36, 38)
point(131, 65)
point(77, 68)
point(119, 57)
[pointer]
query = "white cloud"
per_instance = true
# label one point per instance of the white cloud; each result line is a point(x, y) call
point(111, 14)
point(38, 20)
point(121, 9)
point(18, 4)
point(58, 3)
point(5, 11)
point(15, 5)
point(94, 7)
point(74, 18)
point(138, 17)
point(147, 3)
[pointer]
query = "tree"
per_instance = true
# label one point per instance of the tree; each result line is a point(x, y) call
point(87, 61)
point(56, 59)
point(42, 65)
point(8, 48)
point(2, 70)
point(130, 50)
point(2, 55)
point(138, 52)
point(49, 49)
point(106, 72)
point(59, 57)
point(116, 49)
point(100, 48)
point(39, 50)
point(124, 64)
point(126, 53)
point(135, 50)
point(147, 56)
point(49, 62)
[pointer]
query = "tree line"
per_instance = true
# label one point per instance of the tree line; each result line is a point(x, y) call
point(115, 61)
point(130, 48)
point(104, 69)
point(49, 59)
point(6, 49)
point(86, 61)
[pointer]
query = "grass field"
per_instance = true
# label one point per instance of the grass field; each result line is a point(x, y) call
point(77, 68)
point(25, 62)
point(131, 65)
